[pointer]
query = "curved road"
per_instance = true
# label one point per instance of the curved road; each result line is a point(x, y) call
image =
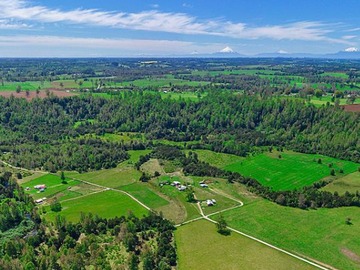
point(203, 216)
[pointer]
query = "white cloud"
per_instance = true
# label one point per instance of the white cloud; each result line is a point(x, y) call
point(186, 5)
point(6, 24)
point(180, 23)
point(36, 44)
point(348, 37)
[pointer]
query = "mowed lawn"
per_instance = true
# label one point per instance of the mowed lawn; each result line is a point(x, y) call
point(105, 204)
point(320, 234)
point(291, 171)
point(53, 186)
point(199, 246)
point(350, 182)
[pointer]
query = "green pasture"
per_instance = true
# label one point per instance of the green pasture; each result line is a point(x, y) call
point(350, 183)
point(145, 194)
point(320, 234)
point(53, 185)
point(178, 196)
point(160, 82)
point(336, 74)
point(28, 85)
point(293, 170)
point(105, 204)
point(219, 160)
point(113, 178)
point(199, 246)
point(262, 72)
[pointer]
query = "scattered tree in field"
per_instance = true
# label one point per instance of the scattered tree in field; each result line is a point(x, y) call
point(221, 226)
point(27, 92)
point(190, 196)
point(19, 175)
point(332, 172)
point(18, 89)
point(144, 177)
point(55, 206)
point(319, 161)
point(38, 90)
point(62, 177)
point(61, 85)
point(319, 93)
point(348, 221)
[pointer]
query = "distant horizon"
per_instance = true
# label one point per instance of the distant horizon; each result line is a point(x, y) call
point(92, 29)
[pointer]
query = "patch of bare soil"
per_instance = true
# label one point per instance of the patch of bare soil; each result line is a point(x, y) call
point(352, 108)
point(32, 94)
point(351, 255)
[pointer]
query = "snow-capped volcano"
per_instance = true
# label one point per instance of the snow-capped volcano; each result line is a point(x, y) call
point(352, 49)
point(227, 49)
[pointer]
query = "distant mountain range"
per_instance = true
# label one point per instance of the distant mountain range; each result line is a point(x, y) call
point(227, 52)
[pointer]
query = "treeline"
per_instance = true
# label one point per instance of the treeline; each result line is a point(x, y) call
point(26, 242)
point(96, 243)
point(18, 215)
point(307, 197)
point(229, 123)
point(73, 154)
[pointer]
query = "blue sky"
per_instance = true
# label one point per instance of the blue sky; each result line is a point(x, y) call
point(93, 28)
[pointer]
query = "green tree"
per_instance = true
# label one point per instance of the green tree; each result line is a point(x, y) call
point(18, 89)
point(55, 206)
point(221, 226)
point(190, 196)
point(62, 177)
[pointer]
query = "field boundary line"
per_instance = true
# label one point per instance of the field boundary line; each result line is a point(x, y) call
point(117, 190)
point(85, 195)
point(268, 244)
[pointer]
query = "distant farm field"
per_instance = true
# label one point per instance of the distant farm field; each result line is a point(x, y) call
point(201, 247)
point(320, 234)
point(290, 170)
point(112, 178)
point(350, 183)
point(143, 193)
point(105, 204)
point(53, 184)
point(28, 85)
point(219, 160)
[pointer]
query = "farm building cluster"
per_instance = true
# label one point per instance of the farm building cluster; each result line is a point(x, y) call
point(40, 188)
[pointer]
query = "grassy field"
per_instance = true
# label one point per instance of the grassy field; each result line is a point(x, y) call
point(143, 193)
point(113, 178)
point(320, 234)
point(336, 74)
point(188, 210)
point(53, 186)
point(201, 247)
point(291, 171)
point(234, 72)
point(29, 85)
point(350, 182)
point(106, 204)
point(219, 160)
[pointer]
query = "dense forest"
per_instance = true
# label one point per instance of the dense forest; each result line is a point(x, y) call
point(26, 242)
point(221, 121)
